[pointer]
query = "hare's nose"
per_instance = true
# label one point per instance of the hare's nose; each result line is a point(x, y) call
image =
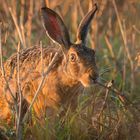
point(94, 76)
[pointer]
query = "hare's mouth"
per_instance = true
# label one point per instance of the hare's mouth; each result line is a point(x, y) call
point(88, 81)
point(94, 80)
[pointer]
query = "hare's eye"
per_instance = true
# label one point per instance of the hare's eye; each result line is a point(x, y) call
point(72, 57)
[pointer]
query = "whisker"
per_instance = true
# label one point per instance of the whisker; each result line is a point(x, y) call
point(108, 68)
point(105, 71)
point(104, 80)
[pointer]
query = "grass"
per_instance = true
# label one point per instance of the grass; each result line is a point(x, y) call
point(99, 115)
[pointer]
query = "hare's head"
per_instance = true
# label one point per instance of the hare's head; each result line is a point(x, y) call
point(79, 60)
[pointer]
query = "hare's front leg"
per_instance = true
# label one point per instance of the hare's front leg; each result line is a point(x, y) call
point(5, 111)
point(43, 106)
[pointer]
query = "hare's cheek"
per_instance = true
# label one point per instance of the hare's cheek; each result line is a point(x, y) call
point(85, 80)
point(74, 70)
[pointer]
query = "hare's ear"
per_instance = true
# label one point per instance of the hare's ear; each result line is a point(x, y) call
point(55, 27)
point(84, 25)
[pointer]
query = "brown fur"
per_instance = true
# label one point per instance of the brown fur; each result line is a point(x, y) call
point(73, 70)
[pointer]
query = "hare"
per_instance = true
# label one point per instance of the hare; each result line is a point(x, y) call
point(74, 69)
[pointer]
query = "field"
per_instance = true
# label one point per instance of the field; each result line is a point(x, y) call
point(106, 111)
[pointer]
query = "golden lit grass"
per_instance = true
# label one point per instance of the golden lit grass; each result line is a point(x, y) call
point(115, 36)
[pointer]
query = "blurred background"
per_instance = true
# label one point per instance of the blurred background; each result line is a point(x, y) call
point(115, 36)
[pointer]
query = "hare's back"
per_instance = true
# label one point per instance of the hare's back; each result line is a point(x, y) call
point(31, 62)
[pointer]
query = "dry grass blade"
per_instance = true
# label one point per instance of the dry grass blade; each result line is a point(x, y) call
point(17, 27)
point(3, 70)
point(109, 85)
point(19, 112)
point(136, 29)
point(109, 47)
point(47, 3)
point(123, 34)
point(22, 14)
point(121, 96)
point(29, 22)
